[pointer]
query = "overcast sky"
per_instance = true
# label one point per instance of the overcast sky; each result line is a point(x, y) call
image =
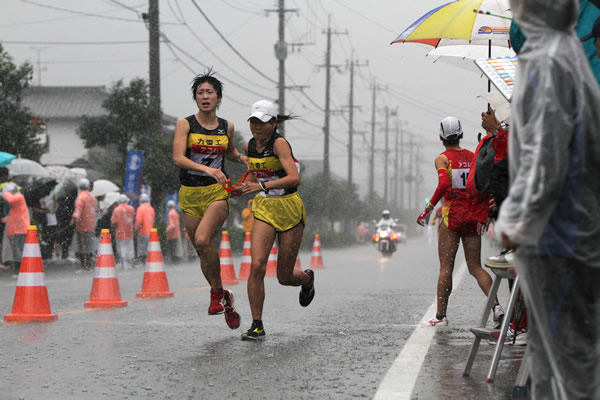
point(422, 91)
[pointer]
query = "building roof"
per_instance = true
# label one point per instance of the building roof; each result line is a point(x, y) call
point(65, 102)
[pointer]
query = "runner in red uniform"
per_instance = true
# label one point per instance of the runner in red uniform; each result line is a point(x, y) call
point(458, 223)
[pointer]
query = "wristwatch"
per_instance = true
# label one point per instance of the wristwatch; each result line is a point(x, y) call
point(263, 186)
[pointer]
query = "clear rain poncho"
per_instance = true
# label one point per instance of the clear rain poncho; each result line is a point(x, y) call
point(553, 207)
point(554, 143)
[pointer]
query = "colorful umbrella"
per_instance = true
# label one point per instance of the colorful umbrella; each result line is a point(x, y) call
point(460, 23)
point(6, 158)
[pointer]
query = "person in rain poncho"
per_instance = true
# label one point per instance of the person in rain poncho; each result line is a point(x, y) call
point(144, 222)
point(16, 222)
point(551, 213)
point(84, 219)
point(122, 220)
point(173, 232)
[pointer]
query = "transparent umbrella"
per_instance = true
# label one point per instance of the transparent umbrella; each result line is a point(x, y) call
point(102, 187)
point(23, 166)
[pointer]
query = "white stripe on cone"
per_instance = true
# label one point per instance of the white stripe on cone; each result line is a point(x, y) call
point(105, 272)
point(32, 250)
point(154, 246)
point(226, 261)
point(31, 279)
point(154, 267)
point(105, 248)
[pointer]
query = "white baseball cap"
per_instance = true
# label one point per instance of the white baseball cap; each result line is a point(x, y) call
point(263, 110)
point(450, 126)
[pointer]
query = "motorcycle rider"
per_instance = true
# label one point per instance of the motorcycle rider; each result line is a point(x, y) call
point(386, 221)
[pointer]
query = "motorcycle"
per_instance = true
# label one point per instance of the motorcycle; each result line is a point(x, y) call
point(385, 240)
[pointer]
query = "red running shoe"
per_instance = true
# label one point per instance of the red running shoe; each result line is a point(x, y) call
point(216, 302)
point(231, 316)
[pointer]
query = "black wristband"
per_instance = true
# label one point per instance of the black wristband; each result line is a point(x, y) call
point(263, 186)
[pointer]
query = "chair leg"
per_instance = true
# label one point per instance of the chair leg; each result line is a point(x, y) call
point(484, 317)
point(500, 343)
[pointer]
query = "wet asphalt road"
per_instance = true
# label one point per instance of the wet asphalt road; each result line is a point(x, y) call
point(339, 347)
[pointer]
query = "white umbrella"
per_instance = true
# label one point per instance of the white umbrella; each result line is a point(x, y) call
point(109, 199)
point(23, 166)
point(471, 52)
point(102, 187)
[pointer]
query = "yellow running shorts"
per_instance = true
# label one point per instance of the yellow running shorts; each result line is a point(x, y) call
point(194, 200)
point(281, 212)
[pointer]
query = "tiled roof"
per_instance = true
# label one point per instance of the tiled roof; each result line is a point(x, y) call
point(65, 102)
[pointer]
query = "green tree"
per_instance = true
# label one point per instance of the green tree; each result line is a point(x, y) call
point(18, 132)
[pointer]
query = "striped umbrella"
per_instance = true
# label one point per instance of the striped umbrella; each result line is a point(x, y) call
point(462, 22)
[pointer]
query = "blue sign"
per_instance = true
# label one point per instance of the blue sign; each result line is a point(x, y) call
point(133, 172)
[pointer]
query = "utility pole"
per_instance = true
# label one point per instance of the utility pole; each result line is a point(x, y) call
point(328, 66)
point(417, 174)
point(386, 155)
point(39, 63)
point(371, 195)
point(152, 18)
point(397, 172)
point(402, 171)
point(410, 169)
point(353, 63)
point(281, 51)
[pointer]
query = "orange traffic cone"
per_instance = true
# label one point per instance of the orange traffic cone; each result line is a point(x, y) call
point(316, 261)
point(297, 265)
point(105, 287)
point(31, 301)
point(155, 283)
point(272, 262)
point(227, 268)
point(246, 259)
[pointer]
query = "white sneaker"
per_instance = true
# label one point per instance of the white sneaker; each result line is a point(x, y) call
point(520, 340)
point(498, 316)
point(436, 322)
point(502, 260)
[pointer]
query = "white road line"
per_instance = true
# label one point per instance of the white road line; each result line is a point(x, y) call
point(400, 380)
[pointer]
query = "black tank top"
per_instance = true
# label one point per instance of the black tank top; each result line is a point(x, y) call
point(206, 147)
point(266, 165)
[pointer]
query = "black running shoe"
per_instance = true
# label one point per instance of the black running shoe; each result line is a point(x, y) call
point(308, 293)
point(254, 333)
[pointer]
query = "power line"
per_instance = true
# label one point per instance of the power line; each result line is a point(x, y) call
point(86, 13)
point(169, 42)
point(75, 43)
point(208, 48)
point(231, 46)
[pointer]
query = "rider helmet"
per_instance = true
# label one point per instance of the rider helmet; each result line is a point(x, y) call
point(385, 214)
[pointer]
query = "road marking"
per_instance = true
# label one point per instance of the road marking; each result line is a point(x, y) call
point(400, 379)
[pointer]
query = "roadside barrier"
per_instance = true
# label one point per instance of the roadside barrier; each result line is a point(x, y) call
point(155, 283)
point(316, 260)
point(31, 301)
point(246, 259)
point(297, 264)
point(105, 286)
point(272, 262)
point(226, 259)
